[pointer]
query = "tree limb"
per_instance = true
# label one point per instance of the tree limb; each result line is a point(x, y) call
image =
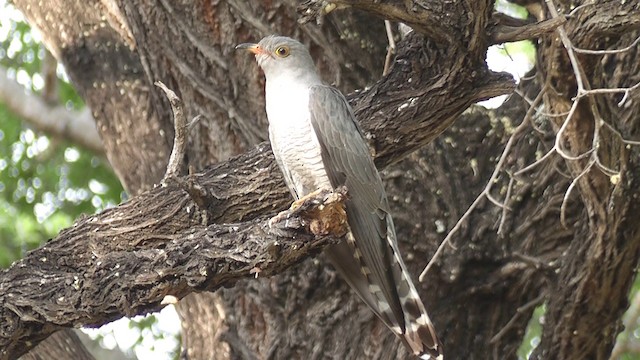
point(105, 267)
point(75, 126)
point(161, 224)
point(503, 33)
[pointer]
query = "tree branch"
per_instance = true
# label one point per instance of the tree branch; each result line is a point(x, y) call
point(132, 255)
point(418, 16)
point(175, 164)
point(397, 119)
point(57, 121)
point(503, 33)
point(110, 265)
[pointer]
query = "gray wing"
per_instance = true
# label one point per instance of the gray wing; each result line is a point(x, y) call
point(369, 260)
point(347, 161)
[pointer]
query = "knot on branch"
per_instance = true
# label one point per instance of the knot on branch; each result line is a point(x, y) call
point(315, 10)
point(322, 213)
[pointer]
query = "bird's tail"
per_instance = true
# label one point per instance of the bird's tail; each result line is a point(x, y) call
point(404, 312)
point(418, 334)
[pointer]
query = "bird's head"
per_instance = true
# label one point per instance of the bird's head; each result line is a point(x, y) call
point(280, 54)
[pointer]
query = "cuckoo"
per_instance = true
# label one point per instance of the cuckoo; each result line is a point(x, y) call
point(318, 145)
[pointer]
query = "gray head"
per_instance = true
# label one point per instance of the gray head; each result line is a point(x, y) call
point(278, 55)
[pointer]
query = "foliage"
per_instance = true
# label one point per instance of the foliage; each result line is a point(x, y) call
point(44, 183)
point(531, 337)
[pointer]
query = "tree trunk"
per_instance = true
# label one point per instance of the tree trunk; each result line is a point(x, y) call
point(506, 259)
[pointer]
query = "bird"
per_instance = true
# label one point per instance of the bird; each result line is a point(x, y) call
point(318, 145)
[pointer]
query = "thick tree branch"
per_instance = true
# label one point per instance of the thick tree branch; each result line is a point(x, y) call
point(485, 281)
point(414, 103)
point(436, 84)
point(503, 33)
point(419, 15)
point(152, 228)
point(111, 265)
point(57, 121)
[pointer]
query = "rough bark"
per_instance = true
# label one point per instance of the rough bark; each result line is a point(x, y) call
point(480, 295)
point(596, 273)
point(125, 262)
point(60, 345)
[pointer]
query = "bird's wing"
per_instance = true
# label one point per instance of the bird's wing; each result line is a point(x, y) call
point(383, 281)
point(347, 161)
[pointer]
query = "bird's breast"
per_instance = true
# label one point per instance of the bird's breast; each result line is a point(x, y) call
point(294, 141)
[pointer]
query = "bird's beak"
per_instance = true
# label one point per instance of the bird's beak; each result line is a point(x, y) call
point(254, 48)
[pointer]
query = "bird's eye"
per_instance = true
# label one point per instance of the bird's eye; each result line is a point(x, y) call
point(282, 51)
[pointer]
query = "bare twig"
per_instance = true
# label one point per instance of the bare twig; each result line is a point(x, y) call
point(500, 231)
point(567, 193)
point(521, 310)
point(180, 127)
point(536, 163)
point(580, 7)
point(583, 90)
point(495, 201)
point(485, 193)
point(194, 121)
point(626, 92)
point(617, 133)
point(567, 45)
point(605, 52)
point(391, 50)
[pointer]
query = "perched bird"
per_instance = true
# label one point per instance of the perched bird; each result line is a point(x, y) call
point(318, 145)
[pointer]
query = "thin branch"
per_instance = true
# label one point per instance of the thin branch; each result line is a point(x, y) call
point(626, 92)
point(583, 90)
point(391, 49)
point(535, 163)
point(580, 7)
point(176, 159)
point(617, 133)
point(521, 310)
point(494, 201)
point(567, 193)
point(567, 45)
point(485, 193)
point(500, 231)
point(605, 52)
